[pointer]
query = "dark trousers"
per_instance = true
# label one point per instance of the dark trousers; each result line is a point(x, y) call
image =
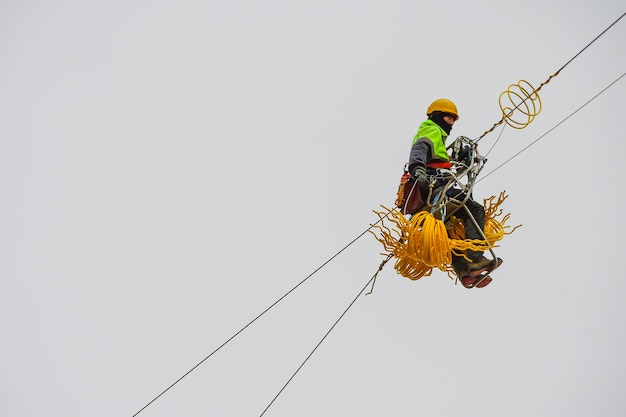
point(471, 231)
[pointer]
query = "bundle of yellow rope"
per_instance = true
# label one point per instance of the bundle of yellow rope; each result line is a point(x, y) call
point(423, 242)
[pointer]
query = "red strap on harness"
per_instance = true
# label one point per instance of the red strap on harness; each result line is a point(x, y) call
point(439, 164)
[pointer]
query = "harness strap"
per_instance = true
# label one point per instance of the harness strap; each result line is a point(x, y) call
point(439, 164)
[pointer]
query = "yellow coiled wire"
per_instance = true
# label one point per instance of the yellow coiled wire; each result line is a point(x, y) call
point(423, 242)
point(520, 98)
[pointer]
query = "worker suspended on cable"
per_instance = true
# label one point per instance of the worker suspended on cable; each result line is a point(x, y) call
point(428, 153)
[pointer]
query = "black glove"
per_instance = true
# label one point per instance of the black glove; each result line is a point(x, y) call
point(419, 173)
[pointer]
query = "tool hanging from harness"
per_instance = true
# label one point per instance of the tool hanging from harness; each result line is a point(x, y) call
point(409, 199)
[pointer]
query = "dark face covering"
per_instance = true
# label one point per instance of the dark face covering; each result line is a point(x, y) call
point(437, 117)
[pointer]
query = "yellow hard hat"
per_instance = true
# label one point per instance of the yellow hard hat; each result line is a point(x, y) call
point(444, 105)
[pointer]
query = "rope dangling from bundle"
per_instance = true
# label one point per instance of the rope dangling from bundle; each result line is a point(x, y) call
point(423, 242)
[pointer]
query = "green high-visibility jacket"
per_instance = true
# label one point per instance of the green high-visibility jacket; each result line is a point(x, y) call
point(429, 145)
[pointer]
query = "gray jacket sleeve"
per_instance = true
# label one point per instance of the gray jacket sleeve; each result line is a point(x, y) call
point(421, 153)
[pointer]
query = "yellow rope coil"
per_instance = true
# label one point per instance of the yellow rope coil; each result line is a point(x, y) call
point(519, 98)
point(523, 98)
point(423, 242)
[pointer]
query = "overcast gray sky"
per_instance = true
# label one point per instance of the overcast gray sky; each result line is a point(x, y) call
point(170, 169)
